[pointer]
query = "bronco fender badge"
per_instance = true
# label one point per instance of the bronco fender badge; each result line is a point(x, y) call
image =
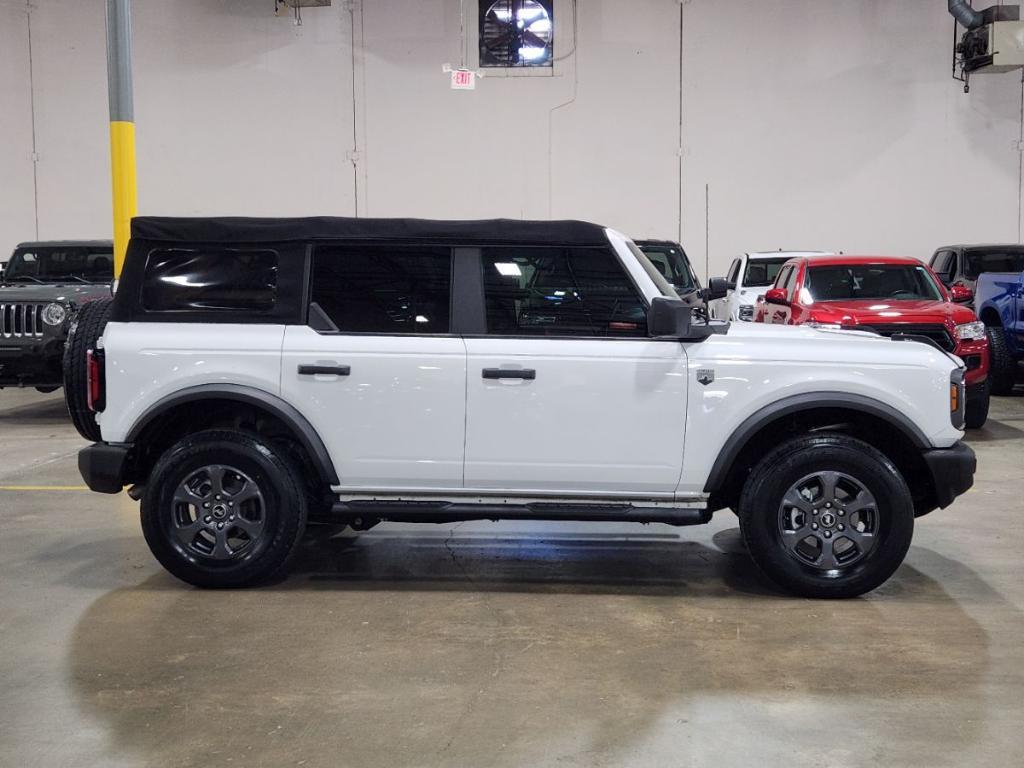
point(705, 375)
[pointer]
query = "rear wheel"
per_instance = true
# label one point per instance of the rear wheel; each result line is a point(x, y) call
point(1002, 368)
point(224, 509)
point(827, 516)
point(86, 329)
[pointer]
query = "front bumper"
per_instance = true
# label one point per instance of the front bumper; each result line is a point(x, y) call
point(34, 364)
point(952, 471)
point(976, 359)
point(103, 466)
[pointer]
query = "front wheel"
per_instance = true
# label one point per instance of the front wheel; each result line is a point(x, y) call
point(827, 516)
point(1002, 368)
point(224, 509)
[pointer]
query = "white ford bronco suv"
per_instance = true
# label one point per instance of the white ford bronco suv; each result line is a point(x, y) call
point(251, 376)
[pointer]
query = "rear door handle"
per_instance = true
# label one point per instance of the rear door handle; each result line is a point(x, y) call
point(510, 373)
point(329, 370)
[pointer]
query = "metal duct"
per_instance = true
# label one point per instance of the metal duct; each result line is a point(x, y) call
point(963, 13)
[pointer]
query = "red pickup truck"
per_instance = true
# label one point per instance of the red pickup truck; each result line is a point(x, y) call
point(886, 295)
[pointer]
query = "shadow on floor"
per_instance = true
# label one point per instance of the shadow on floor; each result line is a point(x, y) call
point(410, 648)
point(28, 407)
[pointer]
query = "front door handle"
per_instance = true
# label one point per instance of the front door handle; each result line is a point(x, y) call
point(510, 373)
point(328, 370)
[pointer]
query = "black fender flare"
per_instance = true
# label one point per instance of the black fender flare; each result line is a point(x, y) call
point(287, 413)
point(804, 402)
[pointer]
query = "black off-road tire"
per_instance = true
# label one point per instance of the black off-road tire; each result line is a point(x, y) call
point(86, 327)
point(284, 510)
point(976, 411)
point(776, 473)
point(1002, 367)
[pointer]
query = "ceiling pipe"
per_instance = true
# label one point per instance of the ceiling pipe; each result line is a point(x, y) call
point(966, 15)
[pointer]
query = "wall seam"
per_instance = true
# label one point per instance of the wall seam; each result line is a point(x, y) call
point(355, 155)
point(1020, 167)
point(679, 149)
point(563, 105)
point(32, 115)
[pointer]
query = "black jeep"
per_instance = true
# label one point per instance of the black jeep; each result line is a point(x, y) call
point(41, 290)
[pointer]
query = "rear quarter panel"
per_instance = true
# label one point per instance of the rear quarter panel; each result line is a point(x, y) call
point(146, 362)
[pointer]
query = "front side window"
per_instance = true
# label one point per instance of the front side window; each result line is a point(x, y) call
point(516, 33)
point(560, 292)
point(671, 264)
point(1003, 259)
point(210, 279)
point(942, 262)
point(384, 289)
point(876, 282)
point(761, 273)
point(734, 271)
point(782, 279)
point(77, 264)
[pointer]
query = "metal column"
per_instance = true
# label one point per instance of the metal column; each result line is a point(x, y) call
point(122, 124)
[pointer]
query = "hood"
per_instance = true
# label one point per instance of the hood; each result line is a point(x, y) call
point(75, 293)
point(781, 344)
point(881, 311)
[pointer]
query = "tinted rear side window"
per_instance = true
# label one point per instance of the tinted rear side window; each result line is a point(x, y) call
point(994, 260)
point(560, 292)
point(384, 289)
point(210, 279)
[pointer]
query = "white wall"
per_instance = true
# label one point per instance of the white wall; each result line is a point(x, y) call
point(815, 123)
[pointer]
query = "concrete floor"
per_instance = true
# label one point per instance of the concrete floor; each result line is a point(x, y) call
point(500, 644)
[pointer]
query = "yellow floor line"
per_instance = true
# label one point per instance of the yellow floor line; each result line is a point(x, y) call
point(44, 488)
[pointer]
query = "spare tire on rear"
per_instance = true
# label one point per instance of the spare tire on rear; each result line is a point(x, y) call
point(86, 327)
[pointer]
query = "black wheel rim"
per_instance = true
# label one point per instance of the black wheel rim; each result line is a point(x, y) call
point(218, 513)
point(828, 521)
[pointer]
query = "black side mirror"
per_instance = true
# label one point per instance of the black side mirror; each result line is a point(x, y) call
point(718, 288)
point(668, 318)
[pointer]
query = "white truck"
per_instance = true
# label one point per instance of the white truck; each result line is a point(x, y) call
point(751, 275)
point(255, 375)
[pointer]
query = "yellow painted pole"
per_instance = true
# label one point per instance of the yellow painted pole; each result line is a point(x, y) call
point(122, 175)
point(122, 125)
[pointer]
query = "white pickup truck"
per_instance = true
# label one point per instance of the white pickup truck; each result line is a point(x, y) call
point(253, 375)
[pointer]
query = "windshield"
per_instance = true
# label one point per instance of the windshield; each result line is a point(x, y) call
point(69, 264)
point(871, 281)
point(762, 272)
point(655, 274)
point(995, 260)
point(671, 262)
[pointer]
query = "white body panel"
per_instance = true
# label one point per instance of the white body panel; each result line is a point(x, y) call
point(398, 420)
point(602, 416)
point(755, 365)
point(146, 362)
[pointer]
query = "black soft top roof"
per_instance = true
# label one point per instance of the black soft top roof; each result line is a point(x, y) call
point(248, 230)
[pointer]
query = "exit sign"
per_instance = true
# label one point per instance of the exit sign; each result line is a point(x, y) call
point(463, 79)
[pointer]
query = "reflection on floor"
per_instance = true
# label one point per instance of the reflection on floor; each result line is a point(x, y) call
point(505, 644)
